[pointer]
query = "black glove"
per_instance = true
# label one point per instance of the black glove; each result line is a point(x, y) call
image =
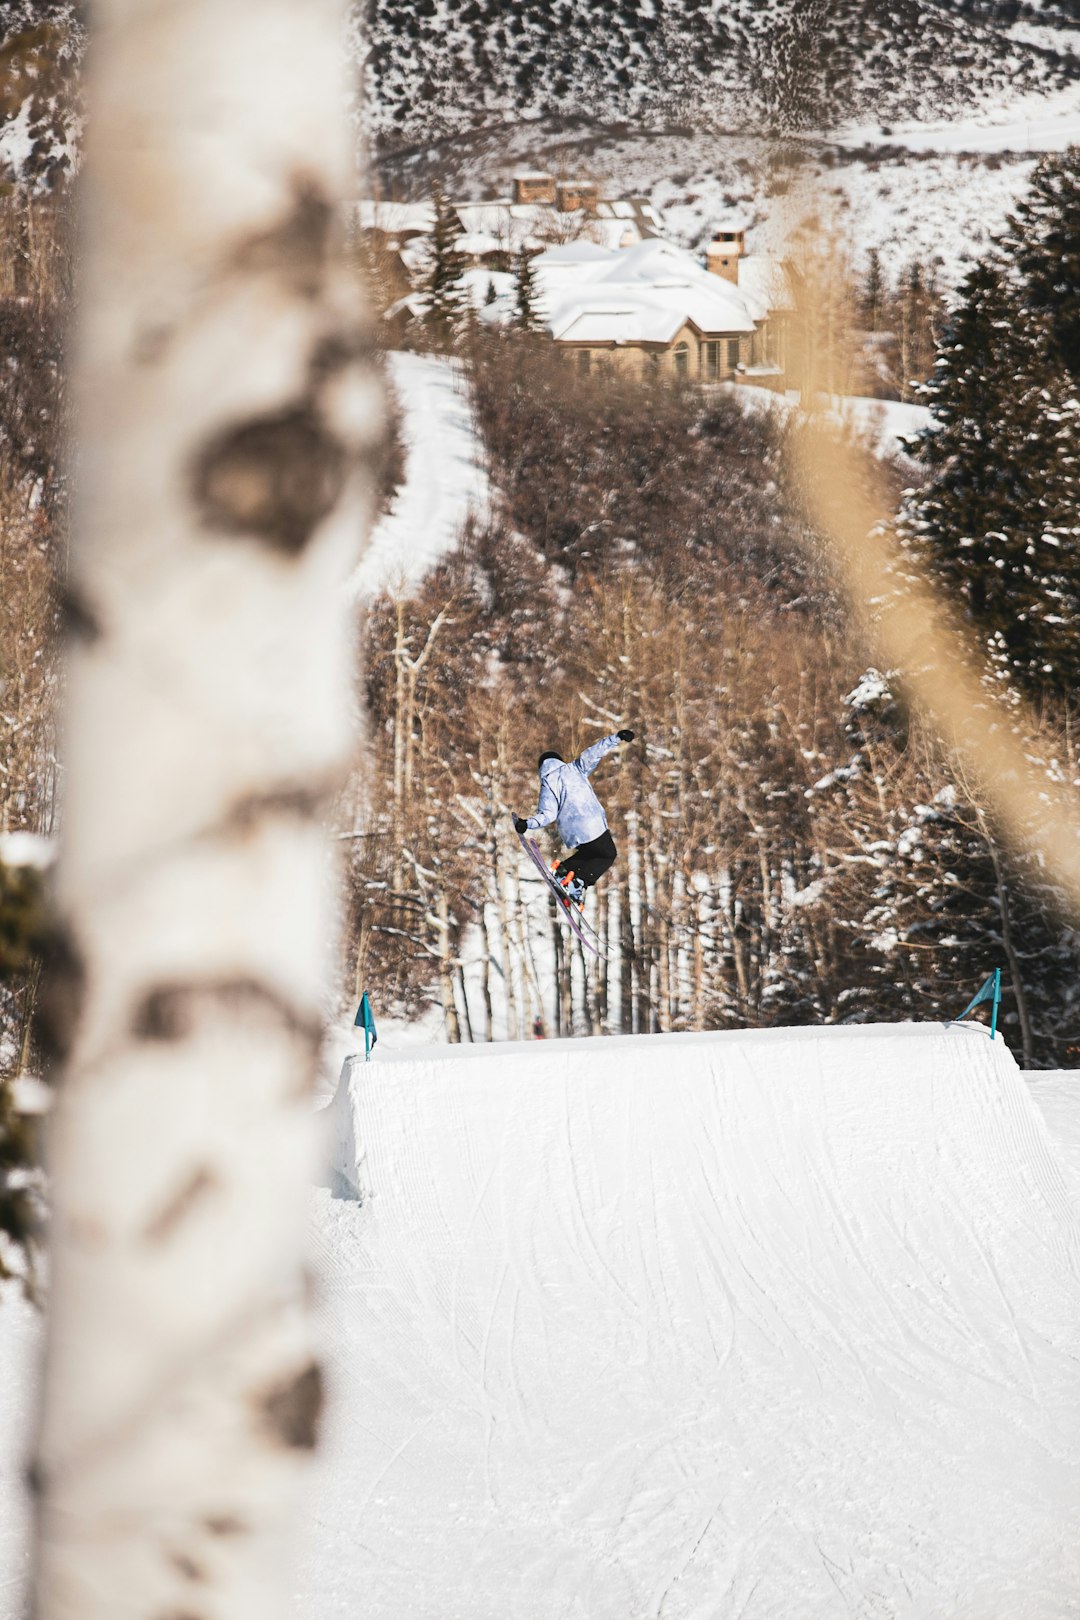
point(520, 826)
point(624, 735)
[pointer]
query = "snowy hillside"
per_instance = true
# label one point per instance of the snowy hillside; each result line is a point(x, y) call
point(778, 1323)
point(934, 111)
point(934, 192)
point(439, 69)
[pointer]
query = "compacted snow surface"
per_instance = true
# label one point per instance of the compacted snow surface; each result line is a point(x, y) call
point(444, 484)
point(753, 1325)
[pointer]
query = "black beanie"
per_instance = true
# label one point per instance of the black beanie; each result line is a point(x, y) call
point(551, 754)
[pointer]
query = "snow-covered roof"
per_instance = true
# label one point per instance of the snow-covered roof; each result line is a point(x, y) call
point(507, 225)
point(497, 219)
point(579, 252)
point(650, 315)
point(560, 279)
point(588, 292)
point(664, 274)
point(615, 232)
point(639, 294)
point(571, 265)
point(477, 243)
point(618, 321)
point(394, 218)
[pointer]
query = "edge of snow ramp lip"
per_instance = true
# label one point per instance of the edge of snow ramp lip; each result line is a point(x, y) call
point(680, 1326)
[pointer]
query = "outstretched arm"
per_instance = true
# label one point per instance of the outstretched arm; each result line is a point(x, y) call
point(546, 810)
point(590, 759)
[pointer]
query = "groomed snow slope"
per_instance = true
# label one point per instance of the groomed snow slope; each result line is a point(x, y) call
point(742, 1325)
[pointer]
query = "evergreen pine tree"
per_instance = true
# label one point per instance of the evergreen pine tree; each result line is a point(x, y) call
point(873, 293)
point(491, 295)
point(526, 292)
point(932, 899)
point(962, 903)
point(996, 523)
point(1043, 243)
point(925, 306)
point(916, 306)
point(445, 293)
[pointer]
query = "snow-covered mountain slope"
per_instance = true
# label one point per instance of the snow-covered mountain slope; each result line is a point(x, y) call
point(439, 67)
point(678, 102)
point(778, 1323)
point(936, 193)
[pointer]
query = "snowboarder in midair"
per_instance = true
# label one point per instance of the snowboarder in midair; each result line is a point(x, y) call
point(566, 796)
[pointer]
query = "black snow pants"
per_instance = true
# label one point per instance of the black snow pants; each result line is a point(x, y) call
point(589, 861)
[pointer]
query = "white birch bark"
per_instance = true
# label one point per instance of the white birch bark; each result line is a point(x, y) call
point(227, 409)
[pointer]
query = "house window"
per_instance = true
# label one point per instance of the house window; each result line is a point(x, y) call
point(732, 353)
point(682, 360)
point(584, 361)
point(712, 362)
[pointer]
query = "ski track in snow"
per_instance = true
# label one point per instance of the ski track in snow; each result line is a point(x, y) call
point(682, 1327)
point(444, 479)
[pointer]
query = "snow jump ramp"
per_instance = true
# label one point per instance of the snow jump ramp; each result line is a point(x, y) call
point(761, 1326)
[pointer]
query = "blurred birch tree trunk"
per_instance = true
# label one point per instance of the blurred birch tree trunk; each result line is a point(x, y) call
point(229, 417)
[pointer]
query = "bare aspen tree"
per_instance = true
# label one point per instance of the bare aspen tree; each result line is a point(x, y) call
point(228, 412)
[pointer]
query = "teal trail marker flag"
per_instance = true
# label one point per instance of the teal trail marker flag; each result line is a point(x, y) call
point(365, 1021)
point(989, 991)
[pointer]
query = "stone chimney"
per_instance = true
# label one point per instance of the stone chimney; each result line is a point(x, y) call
point(533, 186)
point(575, 194)
point(724, 252)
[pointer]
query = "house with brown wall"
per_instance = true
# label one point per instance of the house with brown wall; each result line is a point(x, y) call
point(654, 309)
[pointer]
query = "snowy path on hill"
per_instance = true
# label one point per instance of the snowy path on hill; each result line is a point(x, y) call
point(672, 1328)
point(444, 480)
point(1037, 123)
